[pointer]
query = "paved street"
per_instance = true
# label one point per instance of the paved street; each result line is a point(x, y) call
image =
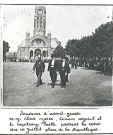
point(85, 88)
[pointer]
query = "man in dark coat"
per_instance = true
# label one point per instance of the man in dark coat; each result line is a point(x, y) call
point(40, 67)
point(52, 67)
point(64, 71)
point(73, 64)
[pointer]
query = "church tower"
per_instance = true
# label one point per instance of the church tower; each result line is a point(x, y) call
point(40, 21)
point(27, 39)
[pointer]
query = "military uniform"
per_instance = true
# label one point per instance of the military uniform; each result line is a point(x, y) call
point(52, 67)
point(64, 70)
point(40, 67)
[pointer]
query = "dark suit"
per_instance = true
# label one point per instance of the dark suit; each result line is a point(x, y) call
point(73, 64)
point(40, 67)
point(52, 67)
point(64, 71)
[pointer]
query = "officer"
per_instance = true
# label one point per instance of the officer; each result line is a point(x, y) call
point(52, 67)
point(40, 67)
point(64, 70)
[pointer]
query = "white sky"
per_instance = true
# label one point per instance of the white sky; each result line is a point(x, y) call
point(63, 21)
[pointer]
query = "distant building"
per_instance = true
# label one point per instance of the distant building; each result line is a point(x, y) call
point(39, 43)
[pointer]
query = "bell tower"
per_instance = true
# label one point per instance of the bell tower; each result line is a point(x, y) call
point(40, 21)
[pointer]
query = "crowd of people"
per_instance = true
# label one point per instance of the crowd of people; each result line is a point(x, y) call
point(63, 66)
point(104, 64)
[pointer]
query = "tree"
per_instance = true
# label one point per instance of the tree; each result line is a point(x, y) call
point(71, 47)
point(59, 51)
point(99, 44)
point(5, 49)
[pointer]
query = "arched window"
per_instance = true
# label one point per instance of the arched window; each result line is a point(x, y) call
point(31, 54)
point(44, 44)
point(44, 53)
point(37, 52)
point(40, 21)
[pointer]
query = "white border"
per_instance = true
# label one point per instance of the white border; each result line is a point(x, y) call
point(56, 2)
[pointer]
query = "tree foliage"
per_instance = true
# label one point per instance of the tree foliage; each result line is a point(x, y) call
point(59, 51)
point(5, 49)
point(96, 45)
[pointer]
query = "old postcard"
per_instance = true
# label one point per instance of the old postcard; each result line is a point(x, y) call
point(56, 68)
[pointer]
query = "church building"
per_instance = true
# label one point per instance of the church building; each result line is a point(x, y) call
point(39, 44)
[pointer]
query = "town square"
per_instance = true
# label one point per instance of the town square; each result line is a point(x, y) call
point(59, 58)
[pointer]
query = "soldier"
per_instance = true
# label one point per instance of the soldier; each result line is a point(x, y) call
point(64, 70)
point(52, 67)
point(40, 67)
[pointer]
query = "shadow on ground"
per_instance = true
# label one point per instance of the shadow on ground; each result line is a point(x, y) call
point(103, 102)
point(75, 104)
point(96, 103)
point(57, 84)
point(98, 72)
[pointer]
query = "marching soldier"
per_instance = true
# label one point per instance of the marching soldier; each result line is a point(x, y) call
point(64, 71)
point(52, 67)
point(40, 67)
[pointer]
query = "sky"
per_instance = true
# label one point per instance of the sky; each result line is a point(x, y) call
point(63, 21)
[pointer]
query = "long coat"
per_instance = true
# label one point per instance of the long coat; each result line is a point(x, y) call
point(55, 65)
point(66, 68)
point(64, 71)
point(53, 71)
point(39, 66)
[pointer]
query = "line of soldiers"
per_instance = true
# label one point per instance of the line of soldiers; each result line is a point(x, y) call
point(55, 66)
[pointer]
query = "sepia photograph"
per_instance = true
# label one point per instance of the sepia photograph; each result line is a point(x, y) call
point(57, 55)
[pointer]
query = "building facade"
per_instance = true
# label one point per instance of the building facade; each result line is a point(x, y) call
point(39, 44)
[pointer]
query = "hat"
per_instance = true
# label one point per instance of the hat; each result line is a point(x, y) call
point(63, 57)
point(52, 55)
point(66, 58)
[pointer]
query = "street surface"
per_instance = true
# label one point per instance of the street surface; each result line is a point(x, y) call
point(85, 88)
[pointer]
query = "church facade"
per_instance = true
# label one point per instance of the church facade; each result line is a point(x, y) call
point(39, 44)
